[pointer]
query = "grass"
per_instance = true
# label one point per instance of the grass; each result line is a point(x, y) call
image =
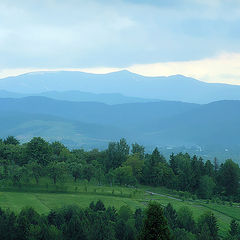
point(44, 202)
point(47, 196)
point(224, 213)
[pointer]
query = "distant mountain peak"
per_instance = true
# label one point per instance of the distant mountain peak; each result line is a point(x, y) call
point(173, 88)
point(123, 72)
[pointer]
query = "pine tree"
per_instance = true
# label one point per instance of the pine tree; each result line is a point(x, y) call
point(207, 224)
point(171, 215)
point(155, 226)
point(234, 228)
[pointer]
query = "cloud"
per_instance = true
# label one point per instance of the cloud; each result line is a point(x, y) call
point(114, 33)
point(224, 68)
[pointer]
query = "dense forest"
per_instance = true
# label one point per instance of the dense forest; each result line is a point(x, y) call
point(118, 164)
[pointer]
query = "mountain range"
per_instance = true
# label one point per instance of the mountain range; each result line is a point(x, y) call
point(89, 110)
point(172, 88)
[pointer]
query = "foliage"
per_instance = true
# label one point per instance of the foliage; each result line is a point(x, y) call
point(155, 225)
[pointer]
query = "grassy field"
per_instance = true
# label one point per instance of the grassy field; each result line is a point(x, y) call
point(82, 194)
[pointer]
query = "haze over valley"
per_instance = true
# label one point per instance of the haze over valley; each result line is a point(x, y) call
point(89, 110)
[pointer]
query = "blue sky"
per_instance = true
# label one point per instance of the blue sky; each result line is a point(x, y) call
point(116, 34)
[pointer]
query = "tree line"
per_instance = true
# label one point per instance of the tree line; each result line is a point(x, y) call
point(97, 222)
point(120, 164)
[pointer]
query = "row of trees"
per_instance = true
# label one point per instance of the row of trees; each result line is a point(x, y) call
point(100, 223)
point(118, 164)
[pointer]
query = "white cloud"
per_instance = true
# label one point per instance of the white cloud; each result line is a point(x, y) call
point(224, 68)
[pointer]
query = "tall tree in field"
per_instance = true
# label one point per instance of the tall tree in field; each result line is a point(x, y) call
point(155, 225)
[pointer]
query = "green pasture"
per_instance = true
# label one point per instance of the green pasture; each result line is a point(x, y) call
point(81, 194)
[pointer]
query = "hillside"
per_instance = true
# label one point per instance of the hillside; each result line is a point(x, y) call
point(78, 96)
point(155, 123)
point(127, 115)
point(173, 88)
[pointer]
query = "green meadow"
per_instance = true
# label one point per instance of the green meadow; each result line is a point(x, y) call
point(45, 197)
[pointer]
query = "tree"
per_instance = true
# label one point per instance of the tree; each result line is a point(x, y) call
point(171, 215)
point(229, 177)
point(173, 163)
point(99, 206)
point(124, 175)
point(234, 228)
point(206, 187)
point(153, 171)
point(11, 140)
point(138, 149)
point(207, 224)
point(56, 171)
point(155, 225)
point(125, 213)
point(117, 153)
point(204, 233)
point(185, 174)
point(197, 170)
point(185, 219)
point(75, 170)
point(216, 166)
point(209, 168)
point(182, 234)
point(121, 230)
point(136, 163)
point(101, 228)
point(99, 174)
point(16, 174)
point(156, 157)
point(88, 172)
point(13, 153)
point(35, 170)
point(138, 216)
point(57, 147)
point(38, 150)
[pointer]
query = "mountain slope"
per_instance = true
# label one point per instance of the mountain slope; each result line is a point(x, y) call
point(158, 123)
point(78, 96)
point(216, 123)
point(72, 133)
point(177, 88)
point(127, 115)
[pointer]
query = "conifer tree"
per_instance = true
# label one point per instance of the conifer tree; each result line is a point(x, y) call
point(155, 225)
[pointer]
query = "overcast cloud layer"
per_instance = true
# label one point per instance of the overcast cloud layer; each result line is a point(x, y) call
point(115, 33)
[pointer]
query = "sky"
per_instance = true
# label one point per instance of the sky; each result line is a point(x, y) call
point(196, 38)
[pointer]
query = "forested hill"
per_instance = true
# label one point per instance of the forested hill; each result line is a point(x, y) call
point(89, 123)
point(197, 199)
point(177, 88)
